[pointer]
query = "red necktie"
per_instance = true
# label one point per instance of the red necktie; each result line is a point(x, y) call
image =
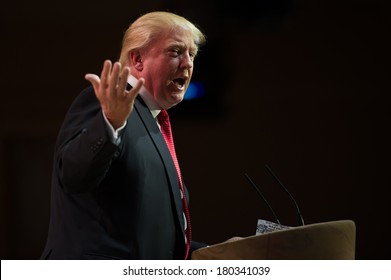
point(164, 122)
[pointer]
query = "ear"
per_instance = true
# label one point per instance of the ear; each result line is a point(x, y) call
point(136, 60)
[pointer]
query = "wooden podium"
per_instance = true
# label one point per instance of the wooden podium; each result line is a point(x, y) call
point(322, 241)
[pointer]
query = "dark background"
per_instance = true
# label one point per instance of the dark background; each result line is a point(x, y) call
point(300, 85)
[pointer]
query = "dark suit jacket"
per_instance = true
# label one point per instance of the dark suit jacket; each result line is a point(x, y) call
point(113, 201)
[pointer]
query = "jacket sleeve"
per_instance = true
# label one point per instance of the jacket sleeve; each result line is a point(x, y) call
point(84, 151)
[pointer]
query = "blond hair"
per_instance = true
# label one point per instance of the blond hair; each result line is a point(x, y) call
point(149, 27)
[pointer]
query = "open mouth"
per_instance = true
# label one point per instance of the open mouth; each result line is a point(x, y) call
point(179, 83)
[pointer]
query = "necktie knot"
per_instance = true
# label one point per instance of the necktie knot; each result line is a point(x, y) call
point(163, 117)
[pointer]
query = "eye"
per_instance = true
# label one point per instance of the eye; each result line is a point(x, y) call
point(193, 53)
point(174, 52)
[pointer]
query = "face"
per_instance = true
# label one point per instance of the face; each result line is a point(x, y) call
point(167, 67)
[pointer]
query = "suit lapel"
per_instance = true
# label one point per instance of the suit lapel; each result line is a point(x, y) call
point(161, 146)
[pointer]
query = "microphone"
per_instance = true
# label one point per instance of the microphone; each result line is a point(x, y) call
point(263, 197)
point(300, 219)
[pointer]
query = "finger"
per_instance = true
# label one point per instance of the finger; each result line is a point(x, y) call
point(105, 74)
point(135, 90)
point(123, 81)
point(114, 77)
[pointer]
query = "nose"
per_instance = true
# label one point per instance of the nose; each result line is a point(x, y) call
point(187, 61)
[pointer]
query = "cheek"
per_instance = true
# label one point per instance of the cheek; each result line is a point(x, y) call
point(164, 71)
point(173, 63)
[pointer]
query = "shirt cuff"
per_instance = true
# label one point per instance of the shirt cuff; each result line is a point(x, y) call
point(114, 134)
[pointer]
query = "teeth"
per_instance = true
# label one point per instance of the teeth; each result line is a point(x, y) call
point(178, 84)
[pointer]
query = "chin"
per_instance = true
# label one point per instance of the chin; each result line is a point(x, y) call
point(171, 103)
point(177, 98)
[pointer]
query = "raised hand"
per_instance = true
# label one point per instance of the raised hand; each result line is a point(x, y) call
point(110, 89)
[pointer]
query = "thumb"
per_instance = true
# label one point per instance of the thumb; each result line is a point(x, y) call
point(94, 80)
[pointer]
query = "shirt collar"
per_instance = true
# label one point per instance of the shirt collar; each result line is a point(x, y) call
point(146, 96)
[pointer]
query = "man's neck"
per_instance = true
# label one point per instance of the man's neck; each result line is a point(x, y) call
point(146, 96)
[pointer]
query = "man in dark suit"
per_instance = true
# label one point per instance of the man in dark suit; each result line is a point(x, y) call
point(117, 191)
